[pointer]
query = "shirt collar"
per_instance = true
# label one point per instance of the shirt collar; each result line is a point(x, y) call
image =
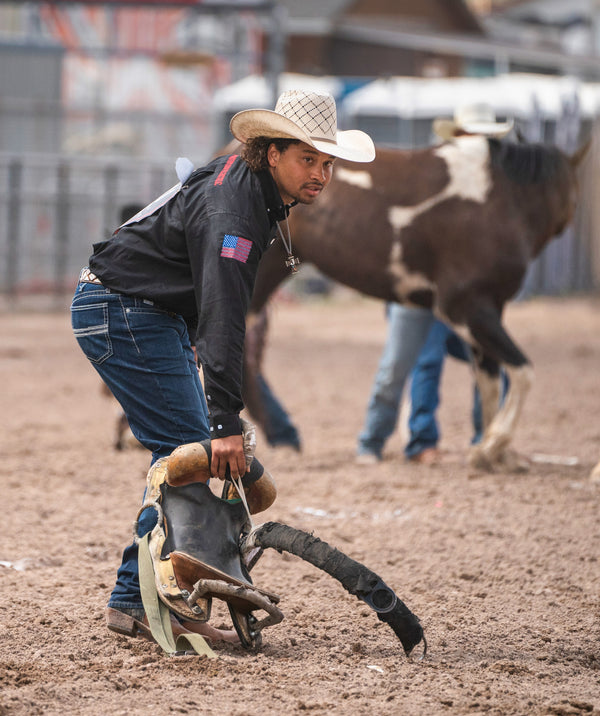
point(276, 209)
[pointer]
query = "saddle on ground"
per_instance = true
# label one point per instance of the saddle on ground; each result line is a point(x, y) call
point(195, 545)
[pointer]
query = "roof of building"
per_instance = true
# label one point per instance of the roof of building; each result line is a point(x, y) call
point(322, 15)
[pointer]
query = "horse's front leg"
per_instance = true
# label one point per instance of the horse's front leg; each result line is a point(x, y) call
point(260, 401)
point(492, 450)
point(487, 378)
point(499, 422)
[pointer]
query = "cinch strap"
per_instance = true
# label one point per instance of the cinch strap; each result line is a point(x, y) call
point(159, 617)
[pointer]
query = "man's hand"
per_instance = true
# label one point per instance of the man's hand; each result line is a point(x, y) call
point(228, 451)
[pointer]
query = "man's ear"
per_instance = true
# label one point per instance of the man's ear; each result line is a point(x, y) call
point(273, 155)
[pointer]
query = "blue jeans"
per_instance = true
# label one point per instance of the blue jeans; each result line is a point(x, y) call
point(144, 356)
point(407, 331)
point(425, 381)
point(416, 346)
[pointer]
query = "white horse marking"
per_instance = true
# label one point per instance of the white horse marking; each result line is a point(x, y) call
point(405, 281)
point(360, 178)
point(467, 162)
point(489, 390)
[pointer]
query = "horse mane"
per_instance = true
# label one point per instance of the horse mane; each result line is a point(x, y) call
point(525, 163)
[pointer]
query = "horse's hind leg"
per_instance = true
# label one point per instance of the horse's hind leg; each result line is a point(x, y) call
point(260, 401)
point(487, 377)
point(487, 330)
point(493, 449)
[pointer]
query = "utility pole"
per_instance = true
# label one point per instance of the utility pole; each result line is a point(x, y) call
point(275, 55)
point(595, 27)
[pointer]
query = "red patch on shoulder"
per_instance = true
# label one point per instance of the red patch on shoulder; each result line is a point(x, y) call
point(226, 168)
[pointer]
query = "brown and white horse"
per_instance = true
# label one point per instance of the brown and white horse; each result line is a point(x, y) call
point(452, 228)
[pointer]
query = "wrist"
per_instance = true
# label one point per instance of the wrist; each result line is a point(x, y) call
point(223, 426)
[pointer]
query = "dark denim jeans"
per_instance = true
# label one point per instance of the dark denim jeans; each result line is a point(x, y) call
point(144, 356)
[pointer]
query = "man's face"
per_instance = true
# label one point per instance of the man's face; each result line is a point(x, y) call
point(301, 172)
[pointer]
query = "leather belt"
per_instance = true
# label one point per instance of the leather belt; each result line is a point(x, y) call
point(87, 276)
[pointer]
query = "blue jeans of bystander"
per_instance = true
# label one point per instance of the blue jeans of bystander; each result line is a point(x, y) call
point(416, 346)
point(407, 331)
point(425, 382)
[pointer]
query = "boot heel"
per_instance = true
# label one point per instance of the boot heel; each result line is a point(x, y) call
point(125, 624)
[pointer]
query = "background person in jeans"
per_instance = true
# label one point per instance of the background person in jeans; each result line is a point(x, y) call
point(183, 270)
point(417, 344)
point(425, 393)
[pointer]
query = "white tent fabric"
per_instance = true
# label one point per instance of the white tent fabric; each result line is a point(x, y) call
point(512, 95)
point(254, 91)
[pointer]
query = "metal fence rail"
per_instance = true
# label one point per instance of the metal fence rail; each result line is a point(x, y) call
point(53, 208)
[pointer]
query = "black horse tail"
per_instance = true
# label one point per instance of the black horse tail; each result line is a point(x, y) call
point(353, 576)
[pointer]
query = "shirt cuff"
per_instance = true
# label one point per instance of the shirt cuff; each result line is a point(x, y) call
point(222, 426)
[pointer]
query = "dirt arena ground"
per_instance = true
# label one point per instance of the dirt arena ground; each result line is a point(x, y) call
point(502, 569)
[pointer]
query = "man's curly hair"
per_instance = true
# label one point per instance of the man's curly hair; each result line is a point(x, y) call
point(254, 151)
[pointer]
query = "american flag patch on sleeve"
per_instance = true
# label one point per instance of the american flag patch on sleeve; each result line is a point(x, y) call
point(234, 247)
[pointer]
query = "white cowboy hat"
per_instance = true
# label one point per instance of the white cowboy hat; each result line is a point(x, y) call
point(310, 117)
point(474, 119)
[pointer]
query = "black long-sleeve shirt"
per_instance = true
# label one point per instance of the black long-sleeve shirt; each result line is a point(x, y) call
point(197, 255)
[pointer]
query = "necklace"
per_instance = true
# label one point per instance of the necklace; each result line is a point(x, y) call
point(291, 261)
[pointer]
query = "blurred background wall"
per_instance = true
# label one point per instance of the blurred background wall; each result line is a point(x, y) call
point(97, 100)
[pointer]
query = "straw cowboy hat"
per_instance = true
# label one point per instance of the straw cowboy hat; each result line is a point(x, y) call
point(310, 117)
point(473, 119)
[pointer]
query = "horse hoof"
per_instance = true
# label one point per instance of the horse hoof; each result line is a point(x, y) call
point(479, 460)
point(511, 461)
point(506, 461)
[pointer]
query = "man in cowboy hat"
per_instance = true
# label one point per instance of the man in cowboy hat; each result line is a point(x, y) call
point(181, 273)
